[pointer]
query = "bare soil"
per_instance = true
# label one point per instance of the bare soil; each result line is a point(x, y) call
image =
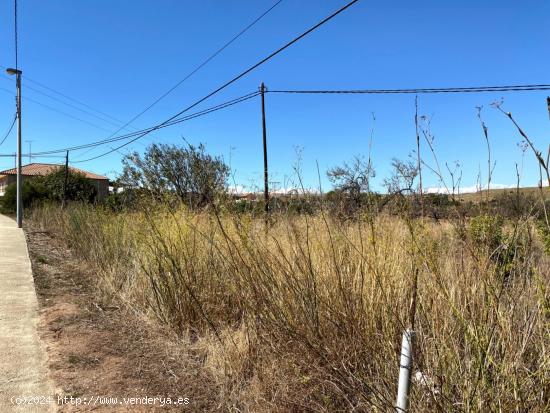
point(97, 347)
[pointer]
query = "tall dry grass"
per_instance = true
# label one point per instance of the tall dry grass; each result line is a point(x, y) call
point(309, 315)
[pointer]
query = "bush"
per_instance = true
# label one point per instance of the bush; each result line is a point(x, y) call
point(49, 187)
point(486, 231)
point(190, 173)
point(33, 191)
point(508, 250)
point(544, 233)
point(78, 187)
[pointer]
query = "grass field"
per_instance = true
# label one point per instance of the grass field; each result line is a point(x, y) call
point(495, 193)
point(308, 315)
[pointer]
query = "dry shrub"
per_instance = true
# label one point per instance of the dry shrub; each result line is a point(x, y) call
point(308, 315)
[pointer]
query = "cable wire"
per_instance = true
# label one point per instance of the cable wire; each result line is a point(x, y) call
point(27, 79)
point(87, 112)
point(474, 89)
point(9, 130)
point(174, 122)
point(233, 80)
point(191, 116)
point(58, 111)
point(199, 67)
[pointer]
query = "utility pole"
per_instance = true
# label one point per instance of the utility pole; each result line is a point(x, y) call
point(418, 158)
point(65, 180)
point(266, 175)
point(17, 74)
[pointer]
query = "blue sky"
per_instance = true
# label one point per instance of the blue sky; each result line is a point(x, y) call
point(119, 56)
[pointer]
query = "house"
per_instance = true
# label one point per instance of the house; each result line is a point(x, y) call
point(31, 170)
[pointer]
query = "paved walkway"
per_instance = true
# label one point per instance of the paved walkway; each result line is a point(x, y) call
point(23, 370)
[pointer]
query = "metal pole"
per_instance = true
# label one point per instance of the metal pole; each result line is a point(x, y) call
point(266, 175)
point(65, 180)
point(30, 149)
point(19, 177)
point(405, 369)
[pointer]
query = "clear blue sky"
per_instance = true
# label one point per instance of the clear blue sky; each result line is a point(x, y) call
point(118, 56)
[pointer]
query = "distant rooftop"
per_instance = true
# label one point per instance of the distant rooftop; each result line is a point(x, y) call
point(41, 169)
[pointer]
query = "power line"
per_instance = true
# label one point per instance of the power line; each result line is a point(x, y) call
point(191, 116)
point(476, 89)
point(9, 130)
point(473, 89)
point(174, 122)
point(69, 104)
point(13, 155)
point(58, 111)
point(28, 79)
point(126, 124)
point(353, 91)
point(233, 80)
point(200, 66)
point(73, 100)
point(105, 115)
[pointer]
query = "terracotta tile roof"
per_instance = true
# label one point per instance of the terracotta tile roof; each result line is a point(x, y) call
point(34, 169)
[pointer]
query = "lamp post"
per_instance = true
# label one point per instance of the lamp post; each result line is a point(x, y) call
point(17, 74)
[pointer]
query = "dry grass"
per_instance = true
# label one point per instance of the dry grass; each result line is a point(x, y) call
point(309, 316)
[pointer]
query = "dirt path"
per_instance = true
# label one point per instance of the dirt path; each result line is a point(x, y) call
point(98, 348)
point(23, 367)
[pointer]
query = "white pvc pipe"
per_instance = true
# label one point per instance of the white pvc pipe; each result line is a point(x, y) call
point(405, 367)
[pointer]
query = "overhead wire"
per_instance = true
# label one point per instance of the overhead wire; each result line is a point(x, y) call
point(58, 111)
point(140, 134)
point(91, 108)
point(125, 125)
point(200, 66)
point(234, 79)
point(87, 112)
point(175, 119)
point(9, 130)
point(191, 116)
point(73, 100)
point(472, 89)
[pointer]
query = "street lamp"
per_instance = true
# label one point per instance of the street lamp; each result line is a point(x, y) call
point(17, 74)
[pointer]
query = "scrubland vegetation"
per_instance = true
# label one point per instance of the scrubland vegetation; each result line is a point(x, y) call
point(305, 311)
point(308, 315)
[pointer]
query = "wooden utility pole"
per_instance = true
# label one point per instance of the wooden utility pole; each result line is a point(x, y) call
point(266, 174)
point(65, 181)
point(418, 158)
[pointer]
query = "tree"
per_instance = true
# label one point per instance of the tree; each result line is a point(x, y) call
point(78, 188)
point(352, 181)
point(402, 180)
point(188, 172)
point(50, 187)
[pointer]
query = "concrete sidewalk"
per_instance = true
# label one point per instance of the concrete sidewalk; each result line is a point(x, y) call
point(23, 368)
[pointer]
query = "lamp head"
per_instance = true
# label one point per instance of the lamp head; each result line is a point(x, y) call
point(11, 71)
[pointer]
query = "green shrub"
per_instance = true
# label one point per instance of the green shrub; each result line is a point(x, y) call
point(50, 187)
point(544, 233)
point(33, 191)
point(486, 231)
point(78, 187)
point(508, 250)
